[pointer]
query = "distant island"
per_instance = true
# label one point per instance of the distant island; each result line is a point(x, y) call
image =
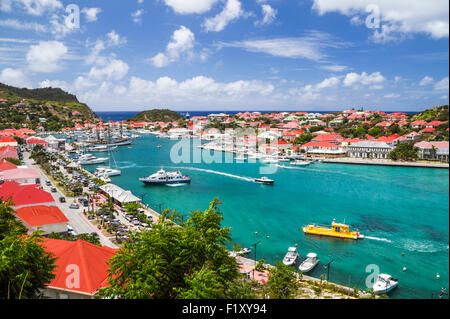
point(157, 116)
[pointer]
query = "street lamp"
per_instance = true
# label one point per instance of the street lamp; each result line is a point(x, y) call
point(254, 247)
point(328, 269)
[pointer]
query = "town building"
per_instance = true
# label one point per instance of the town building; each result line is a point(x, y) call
point(369, 149)
point(434, 151)
point(47, 219)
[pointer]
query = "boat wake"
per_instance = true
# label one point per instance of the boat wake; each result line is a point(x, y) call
point(176, 185)
point(379, 239)
point(248, 179)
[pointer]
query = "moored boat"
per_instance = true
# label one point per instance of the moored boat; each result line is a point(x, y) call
point(291, 256)
point(337, 230)
point(384, 283)
point(300, 163)
point(309, 263)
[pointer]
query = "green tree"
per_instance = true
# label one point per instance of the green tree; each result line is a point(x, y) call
point(282, 283)
point(25, 267)
point(405, 151)
point(170, 262)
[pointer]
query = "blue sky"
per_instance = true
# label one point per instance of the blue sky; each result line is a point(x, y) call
point(231, 54)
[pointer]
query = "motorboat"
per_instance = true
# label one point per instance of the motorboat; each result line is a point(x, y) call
point(284, 159)
point(300, 163)
point(291, 257)
point(384, 283)
point(240, 158)
point(164, 178)
point(108, 171)
point(269, 160)
point(101, 148)
point(89, 159)
point(264, 180)
point(337, 230)
point(309, 263)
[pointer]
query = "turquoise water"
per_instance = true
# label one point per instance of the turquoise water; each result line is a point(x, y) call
point(402, 210)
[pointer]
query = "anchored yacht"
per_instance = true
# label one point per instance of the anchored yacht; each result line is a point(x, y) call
point(164, 178)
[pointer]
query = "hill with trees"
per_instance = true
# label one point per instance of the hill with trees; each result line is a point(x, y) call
point(51, 108)
point(157, 116)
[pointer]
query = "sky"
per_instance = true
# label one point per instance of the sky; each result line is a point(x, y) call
point(134, 55)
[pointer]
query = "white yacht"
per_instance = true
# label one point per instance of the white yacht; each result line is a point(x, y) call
point(101, 148)
point(164, 178)
point(89, 159)
point(108, 171)
point(384, 283)
point(300, 163)
point(264, 180)
point(310, 262)
point(291, 256)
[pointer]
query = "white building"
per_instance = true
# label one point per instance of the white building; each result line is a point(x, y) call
point(369, 149)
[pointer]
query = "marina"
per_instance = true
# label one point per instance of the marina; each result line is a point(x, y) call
point(386, 204)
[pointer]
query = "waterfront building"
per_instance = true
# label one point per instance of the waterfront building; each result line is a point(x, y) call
point(323, 149)
point(369, 149)
point(119, 196)
point(48, 219)
point(434, 151)
point(87, 260)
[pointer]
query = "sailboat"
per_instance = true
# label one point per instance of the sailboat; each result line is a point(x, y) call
point(107, 171)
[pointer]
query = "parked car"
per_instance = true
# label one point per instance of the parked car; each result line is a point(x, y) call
point(62, 199)
point(53, 189)
point(48, 183)
point(74, 206)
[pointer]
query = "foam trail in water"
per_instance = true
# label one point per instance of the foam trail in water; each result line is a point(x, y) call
point(379, 239)
point(218, 173)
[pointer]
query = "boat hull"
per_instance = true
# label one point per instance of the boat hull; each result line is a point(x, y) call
point(328, 232)
point(165, 182)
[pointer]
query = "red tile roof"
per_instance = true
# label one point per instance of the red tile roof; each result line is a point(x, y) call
point(5, 165)
point(24, 194)
point(41, 215)
point(87, 260)
point(8, 151)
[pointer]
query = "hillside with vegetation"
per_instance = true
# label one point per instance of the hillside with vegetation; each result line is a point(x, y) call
point(157, 116)
point(51, 108)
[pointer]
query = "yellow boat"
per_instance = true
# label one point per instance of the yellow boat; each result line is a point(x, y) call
point(337, 230)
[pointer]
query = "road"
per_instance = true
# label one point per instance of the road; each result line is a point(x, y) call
point(77, 219)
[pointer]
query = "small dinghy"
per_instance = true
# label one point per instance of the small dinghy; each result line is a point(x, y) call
point(310, 262)
point(291, 257)
point(384, 283)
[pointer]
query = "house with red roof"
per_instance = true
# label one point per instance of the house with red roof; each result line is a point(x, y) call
point(428, 130)
point(433, 150)
point(8, 152)
point(7, 141)
point(33, 141)
point(81, 268)
point(48, 219)
point(413, 136)
point(435, 124)
point(328, 138)
point(25, 195)
point(418, 124)
point(5, 165)
point(323, 149)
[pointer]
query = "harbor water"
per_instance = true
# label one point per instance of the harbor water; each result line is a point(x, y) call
point(402, 211)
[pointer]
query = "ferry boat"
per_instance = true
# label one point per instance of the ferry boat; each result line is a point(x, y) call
point(384, 283)
point(164, 178)
point(291, 257)
point(337, 230)
point(309, 263)
point(264, 180)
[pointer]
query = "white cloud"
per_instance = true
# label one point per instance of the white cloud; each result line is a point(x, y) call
point(398, 18)
point(442, 85)
point(334, 68)
point(91, 13)
point(232, 11)
point(269, 15)
point(374, 79)
point(392, 96)
point(426, 81)
point(309, 47)
point(137, 16)
point(113, 70)
point(32, 7)
point(114, 39)
point(14, 77)
point(22, 25)
point(191, 6)
point(45, 56)
point(182, 43)
point(312, 92)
